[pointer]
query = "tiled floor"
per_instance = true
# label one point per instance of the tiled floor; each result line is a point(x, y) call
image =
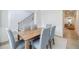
point(72, 39)
point(60, 43)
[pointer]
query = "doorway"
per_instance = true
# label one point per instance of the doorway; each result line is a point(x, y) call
point(69, 23)
point(70, 18)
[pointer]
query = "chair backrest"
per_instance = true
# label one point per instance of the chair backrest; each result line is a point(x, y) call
point(48, 25)
point(11, 39)
point(52, 32)
point(44, 38)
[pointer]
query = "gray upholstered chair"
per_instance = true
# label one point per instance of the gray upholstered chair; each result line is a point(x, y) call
point(52, 34)
point(48, 25)
point(43, 41)
point(13, 44)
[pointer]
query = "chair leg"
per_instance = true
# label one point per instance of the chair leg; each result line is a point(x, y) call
point(30, 46)
point(53, 41)
point(18, 37)
point(46, 46)
point(50, 45)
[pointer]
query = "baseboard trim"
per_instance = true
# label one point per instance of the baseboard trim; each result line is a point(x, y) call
point(59, 36)
point(3, 43)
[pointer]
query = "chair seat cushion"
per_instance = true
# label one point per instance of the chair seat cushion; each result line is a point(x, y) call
point(36, 44)
point(20, 44)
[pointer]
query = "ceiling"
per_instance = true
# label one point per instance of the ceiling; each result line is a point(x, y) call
point(68, 13)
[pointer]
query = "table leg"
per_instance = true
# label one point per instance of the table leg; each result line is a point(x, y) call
point(18, 37)
point(27, 44)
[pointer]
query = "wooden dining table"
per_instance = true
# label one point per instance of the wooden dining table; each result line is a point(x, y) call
point(28, 35)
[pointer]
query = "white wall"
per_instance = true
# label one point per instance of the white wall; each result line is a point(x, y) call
point(0, 26)
point(4, 18)
point(54, 17)
point(38, 18)
point(9, 19)
point(77, 23)
point(4, 24)
point(16, 15)
point(0, 18)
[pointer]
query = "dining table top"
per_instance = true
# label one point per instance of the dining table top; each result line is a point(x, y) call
point(29, 34)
